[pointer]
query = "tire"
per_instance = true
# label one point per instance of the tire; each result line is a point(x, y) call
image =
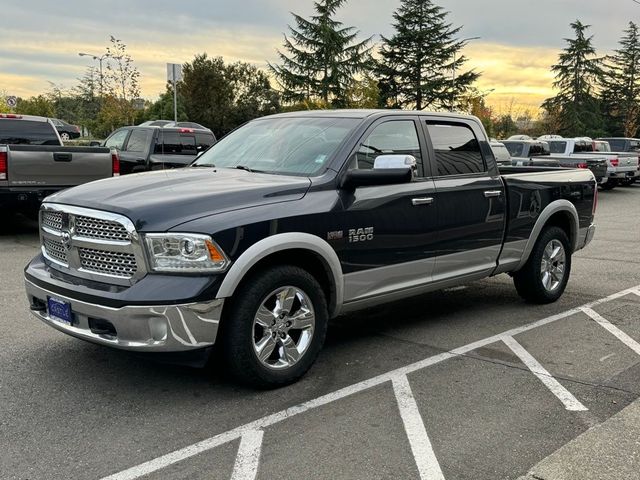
point(258, 303)
point(609, 185)
point(531, 282)
point(65, 136)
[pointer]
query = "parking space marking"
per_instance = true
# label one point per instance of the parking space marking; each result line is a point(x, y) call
point(261, 423)
point(570, 402)
point(248, 456)
point(615, 331)
point(423, 453)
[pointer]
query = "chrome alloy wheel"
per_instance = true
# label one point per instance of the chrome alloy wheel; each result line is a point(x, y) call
point(552, 267)
point(283, 327)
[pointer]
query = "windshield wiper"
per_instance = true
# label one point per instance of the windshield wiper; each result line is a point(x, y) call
point(203, 165)
point(247, 169)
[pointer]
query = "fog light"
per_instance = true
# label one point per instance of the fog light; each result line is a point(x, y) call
point(158, 328)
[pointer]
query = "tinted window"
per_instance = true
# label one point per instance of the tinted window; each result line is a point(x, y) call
point(501, 153)
point(516, 149)
point(174, 143)
point(557, 147)
point(288, 146)
point(26, 132)
point(582, 146)
point(116, 140)
point(204, 141)
point(138, 141)
point(538, 149)
point(457, 149)
point(389, 138)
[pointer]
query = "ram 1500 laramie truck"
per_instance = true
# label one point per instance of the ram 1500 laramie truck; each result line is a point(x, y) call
point(34, 163)
point(293, 219)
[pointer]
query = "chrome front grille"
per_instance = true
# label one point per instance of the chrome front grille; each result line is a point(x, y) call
point(55, 250)
point(92, 244)
point(101, 229)
point(108, 263)
point(52, 220)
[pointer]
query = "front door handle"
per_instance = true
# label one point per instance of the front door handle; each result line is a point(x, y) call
point(492, 193)
point(422, 201)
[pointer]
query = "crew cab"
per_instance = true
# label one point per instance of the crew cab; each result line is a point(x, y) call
point(538, 153)
point(293, 219)
point(145, 148)
point(34, 163)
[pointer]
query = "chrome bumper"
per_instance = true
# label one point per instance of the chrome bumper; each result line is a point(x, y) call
point(591, 231)
point(158, 328)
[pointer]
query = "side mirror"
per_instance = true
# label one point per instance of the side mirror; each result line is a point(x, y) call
point(387, 170)
point(94, 143)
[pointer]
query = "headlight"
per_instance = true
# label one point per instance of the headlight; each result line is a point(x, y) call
point(184, 253)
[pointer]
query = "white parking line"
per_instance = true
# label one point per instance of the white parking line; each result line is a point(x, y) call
point(425, 457)
point(615, 331)
point(261, 423)
point(248, 457)
point(570, 402)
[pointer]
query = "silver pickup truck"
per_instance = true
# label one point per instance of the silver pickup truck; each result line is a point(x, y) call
point(35, 164)
point(622, 167)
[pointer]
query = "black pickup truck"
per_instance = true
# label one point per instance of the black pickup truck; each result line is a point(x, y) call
point(293, 219)
point(145, 148)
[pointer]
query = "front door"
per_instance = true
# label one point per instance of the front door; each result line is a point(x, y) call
point(391, 229)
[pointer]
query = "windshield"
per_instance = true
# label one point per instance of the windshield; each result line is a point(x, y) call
point(288, 146)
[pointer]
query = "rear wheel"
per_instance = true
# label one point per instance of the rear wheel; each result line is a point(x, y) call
point(609, 185)
point(627, 182)
point(544, 277)
point(275, 327)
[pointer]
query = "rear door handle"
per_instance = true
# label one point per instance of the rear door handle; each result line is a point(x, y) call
point(492, 193)
point(422, 201)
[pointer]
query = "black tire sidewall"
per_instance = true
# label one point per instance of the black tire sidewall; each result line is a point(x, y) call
point(237, 327)
point(528, 280)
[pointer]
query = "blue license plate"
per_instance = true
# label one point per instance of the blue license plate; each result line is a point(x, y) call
point(60, 311)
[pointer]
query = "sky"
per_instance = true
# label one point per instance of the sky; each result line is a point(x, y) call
point(519, 40)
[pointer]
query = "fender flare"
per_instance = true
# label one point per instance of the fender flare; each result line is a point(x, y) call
point(554, 207)
point(278, 243)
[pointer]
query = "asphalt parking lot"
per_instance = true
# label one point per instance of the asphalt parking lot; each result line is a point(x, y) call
point(468, 383)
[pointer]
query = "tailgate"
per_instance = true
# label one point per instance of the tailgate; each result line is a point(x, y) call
point(44, 166)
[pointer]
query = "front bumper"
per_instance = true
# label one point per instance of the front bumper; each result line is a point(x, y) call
point(157, 328)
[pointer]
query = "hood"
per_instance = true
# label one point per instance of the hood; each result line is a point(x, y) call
point(158, 201)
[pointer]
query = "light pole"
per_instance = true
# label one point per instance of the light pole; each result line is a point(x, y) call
point(453, 68)
point(99, 59)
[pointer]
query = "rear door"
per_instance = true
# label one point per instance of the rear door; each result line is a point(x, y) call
point(470, 198)
point(135, 151)
point(173, 149)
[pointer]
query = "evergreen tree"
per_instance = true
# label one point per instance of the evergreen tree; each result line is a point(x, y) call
point(321, 56)
point(577, 74)
point(621, 85)
point(416, 69)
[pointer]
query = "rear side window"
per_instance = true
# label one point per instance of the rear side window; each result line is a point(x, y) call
point(501, 153)
point(457, 149)
point(26, 132)
point(116, 140)
point(174, 143)
point(204, 141)
point(138, 141)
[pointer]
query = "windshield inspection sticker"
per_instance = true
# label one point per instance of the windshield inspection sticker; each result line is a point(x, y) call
point(360, 234)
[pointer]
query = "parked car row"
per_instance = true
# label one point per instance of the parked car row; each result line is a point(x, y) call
point(611, 166)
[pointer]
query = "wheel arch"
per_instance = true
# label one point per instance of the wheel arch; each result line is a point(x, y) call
point(560, 213)
point(302, 249)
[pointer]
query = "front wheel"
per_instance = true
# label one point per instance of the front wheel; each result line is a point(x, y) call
point(275, 327)
point(544, 277)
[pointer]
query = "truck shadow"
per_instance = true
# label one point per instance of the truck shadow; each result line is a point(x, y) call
point(17, 224)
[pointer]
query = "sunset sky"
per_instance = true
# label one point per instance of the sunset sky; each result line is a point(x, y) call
point(520, 40)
